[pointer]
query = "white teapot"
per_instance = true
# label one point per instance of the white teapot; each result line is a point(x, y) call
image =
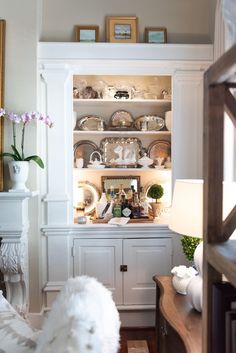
point(96, 163)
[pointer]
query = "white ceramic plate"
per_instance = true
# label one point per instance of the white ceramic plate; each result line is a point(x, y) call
point(91, 196)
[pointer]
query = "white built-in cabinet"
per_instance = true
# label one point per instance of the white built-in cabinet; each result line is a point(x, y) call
point(125, 266)
point(71, 249)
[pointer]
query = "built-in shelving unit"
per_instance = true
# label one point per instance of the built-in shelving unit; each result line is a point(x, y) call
point(104, 108)
point(99, 249)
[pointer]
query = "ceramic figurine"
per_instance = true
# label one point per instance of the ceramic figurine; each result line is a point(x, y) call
point(182, 276)
point(145, 161)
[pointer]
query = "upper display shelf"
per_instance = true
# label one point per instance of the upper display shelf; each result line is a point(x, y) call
point(119, 88)
point(165, 102)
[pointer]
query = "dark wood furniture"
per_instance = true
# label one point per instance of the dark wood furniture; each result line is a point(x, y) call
point(219, 251)
point(178, 325)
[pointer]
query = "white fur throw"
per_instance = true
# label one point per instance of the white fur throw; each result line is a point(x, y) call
point(16, 335)
point(83, 319)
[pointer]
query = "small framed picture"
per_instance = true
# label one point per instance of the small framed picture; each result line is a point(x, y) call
point(155, 35)
point(87, 34)
point(121, 29)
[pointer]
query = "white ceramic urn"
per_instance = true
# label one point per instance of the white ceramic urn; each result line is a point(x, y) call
point(19, 171)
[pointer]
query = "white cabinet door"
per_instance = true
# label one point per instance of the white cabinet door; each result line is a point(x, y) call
point(144, 258)
point(100, 259)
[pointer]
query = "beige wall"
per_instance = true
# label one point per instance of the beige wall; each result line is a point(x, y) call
point(22, 28)
point(187, 21)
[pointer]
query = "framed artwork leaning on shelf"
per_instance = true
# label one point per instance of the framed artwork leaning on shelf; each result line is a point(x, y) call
point(155, 35)
point(121, 29)
point(87, 34)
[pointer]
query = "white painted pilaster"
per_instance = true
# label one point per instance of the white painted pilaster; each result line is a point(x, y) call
point(14, 227)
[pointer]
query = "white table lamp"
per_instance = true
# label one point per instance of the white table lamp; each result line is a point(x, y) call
point(186, 212)
point(186, 218)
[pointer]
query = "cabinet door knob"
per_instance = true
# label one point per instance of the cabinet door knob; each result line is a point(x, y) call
point(123, 268)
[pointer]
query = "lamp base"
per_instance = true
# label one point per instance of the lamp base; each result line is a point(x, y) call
point(194, 292)
point(198, 257)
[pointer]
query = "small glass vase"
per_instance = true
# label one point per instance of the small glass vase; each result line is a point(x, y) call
point(19, 171)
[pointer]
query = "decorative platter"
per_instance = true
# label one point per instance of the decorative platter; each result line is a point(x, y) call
point(159, 149)
point(83, 149)
point(90, 123)
point(149, 123)
point(121, 118)
point(91, 196)
point(121, 152)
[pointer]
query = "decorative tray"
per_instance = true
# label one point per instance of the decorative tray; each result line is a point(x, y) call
point(149, 123)
point(83, 149)
point(159, 149)
point(121, 118)
point(90, 123)
point(148, 219)
point(121, 151)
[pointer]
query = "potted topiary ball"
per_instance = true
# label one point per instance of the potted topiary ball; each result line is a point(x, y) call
point(155, 192)
point(189, 245)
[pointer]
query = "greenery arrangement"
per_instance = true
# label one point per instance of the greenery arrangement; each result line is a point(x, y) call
point(189, 245)
point(156, 191)
point(24, 120)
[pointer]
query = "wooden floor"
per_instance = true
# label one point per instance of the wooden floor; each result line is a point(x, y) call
point(134, 334)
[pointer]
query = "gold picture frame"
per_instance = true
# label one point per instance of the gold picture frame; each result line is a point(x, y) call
point(2, 69)
point(155, 35)
point(87, 34)
point(122, 29)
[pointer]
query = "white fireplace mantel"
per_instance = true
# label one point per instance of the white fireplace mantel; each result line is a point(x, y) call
point(14, 226)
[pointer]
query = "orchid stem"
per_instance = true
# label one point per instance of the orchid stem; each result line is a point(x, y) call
point(22, 142)
point(14, 133)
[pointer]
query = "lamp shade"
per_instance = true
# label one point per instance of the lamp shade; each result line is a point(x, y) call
point(187, 205)
point(186, 217)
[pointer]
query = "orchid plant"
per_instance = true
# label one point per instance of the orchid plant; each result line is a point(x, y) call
point(23, 119)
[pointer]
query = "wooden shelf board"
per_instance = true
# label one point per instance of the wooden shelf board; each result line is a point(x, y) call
point(121, 132)
point(223, 258)
point(122, 101)
point(165, 170)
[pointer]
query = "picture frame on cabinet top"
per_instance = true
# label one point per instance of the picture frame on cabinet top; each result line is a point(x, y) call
point(155, 35)
point(122, 29)
point(87, 33)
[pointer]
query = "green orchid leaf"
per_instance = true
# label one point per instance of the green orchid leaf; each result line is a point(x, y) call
point(6, 154)
point(16, 153)
point(36, 159)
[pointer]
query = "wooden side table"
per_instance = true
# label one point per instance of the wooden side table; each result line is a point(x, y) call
point(178, 325)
